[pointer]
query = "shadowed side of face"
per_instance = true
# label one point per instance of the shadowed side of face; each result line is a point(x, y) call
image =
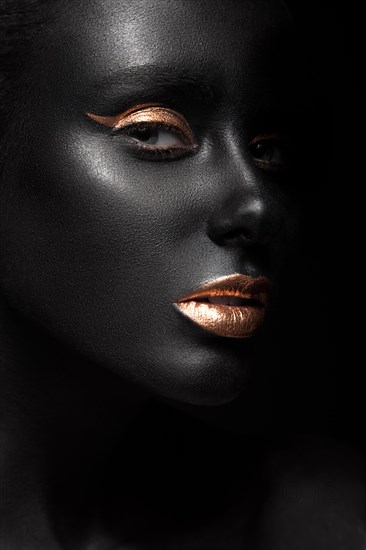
point(155, 160)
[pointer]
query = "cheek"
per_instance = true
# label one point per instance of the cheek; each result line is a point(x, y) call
point(97, 249)
point(84, 244)
point(96, 246)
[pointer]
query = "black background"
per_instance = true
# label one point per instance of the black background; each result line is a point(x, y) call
point(334, 38)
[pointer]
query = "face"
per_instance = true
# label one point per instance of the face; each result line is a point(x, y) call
point(154, 159)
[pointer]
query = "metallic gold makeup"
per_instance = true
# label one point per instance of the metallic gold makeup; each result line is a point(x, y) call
point(265, 137)
point(233, 306)
point(145, 114)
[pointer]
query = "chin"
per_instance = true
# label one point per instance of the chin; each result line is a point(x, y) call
point(206, 375)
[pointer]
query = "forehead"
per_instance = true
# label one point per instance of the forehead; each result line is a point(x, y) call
point(104, 36)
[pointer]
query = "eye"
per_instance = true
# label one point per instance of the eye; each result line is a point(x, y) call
point(155, 136)
point(269, 152)
point(151, 131)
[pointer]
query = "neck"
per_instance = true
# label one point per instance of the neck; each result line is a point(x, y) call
point(61, 416)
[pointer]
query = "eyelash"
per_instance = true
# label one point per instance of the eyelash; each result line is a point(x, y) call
point(154, 152)
point(172, 153)
point(269, 140)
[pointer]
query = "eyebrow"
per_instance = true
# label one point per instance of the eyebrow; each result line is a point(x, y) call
point(150, 82)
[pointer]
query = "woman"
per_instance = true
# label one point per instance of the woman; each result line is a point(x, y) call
point(150, 199)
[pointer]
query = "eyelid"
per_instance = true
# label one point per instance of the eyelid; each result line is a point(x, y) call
point(147, 113)
point(265, 137)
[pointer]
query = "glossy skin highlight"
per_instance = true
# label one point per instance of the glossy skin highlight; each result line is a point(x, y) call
point(151, 160)
point(113, 235)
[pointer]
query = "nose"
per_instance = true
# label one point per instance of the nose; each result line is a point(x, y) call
point(245, 219)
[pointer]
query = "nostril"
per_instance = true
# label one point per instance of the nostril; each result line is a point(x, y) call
point(230, 235)
point(242, 235)
point(245, 222)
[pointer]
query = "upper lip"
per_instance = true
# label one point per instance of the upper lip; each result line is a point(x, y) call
point(243, 286)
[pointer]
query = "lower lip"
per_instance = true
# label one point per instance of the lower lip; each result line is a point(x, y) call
point(224, 320)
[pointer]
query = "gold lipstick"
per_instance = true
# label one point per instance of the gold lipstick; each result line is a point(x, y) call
point(233, 306)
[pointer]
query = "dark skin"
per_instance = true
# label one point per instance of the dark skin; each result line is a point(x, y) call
point(114, 235)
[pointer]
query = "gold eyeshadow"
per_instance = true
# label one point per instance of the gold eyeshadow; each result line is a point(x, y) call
point(147, 114)
point(265, 137)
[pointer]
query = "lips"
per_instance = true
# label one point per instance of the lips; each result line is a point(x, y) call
point(233, 306)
